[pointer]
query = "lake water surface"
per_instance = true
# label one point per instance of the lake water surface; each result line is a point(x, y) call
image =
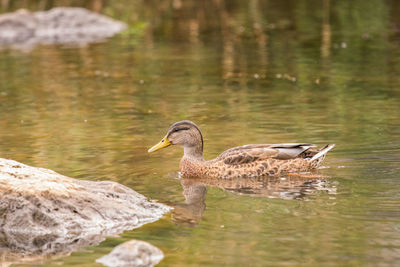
point(245, 72)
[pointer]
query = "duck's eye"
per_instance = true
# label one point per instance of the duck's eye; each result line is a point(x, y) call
point(179, 129)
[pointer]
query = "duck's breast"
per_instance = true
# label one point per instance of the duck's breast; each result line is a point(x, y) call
point(191, 167)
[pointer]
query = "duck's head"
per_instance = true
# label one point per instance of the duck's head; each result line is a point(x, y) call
point(186, 134)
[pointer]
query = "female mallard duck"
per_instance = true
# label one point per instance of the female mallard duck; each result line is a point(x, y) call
point(242, 161)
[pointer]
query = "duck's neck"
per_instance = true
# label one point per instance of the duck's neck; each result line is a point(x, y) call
point(194, 152)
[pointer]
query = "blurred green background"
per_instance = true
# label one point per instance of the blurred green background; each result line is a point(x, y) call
point(246, 72)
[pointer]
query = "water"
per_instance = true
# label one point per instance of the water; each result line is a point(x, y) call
point(245, 72)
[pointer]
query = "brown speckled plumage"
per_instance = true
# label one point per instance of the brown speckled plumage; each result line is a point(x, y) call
point(243, 161)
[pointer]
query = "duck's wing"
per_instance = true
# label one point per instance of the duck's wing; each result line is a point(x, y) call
point(250, 153)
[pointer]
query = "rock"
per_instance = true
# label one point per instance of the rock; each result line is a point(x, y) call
point(45, 213)
point(132, 253)
point(70, 25)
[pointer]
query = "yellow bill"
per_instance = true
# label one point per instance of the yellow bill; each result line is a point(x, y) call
point(163, 143)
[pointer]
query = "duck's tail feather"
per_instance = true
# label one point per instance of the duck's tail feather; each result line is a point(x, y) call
point(322, 152)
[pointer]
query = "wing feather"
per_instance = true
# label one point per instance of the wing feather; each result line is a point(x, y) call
point(251, 153)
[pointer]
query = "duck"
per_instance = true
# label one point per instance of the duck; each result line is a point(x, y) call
point(251, 160)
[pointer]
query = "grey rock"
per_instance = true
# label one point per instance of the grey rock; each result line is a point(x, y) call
point(45, 213)
point(62, 25)
point(133, 253)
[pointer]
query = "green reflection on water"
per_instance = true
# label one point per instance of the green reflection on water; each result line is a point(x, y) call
point(245, 72)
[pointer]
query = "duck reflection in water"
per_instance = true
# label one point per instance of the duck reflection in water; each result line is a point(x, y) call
point(190, 212)
point(289, 188)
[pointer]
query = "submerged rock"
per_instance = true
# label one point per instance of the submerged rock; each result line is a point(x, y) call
point(74, 25)
point(45, 213)
point(132, 253)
